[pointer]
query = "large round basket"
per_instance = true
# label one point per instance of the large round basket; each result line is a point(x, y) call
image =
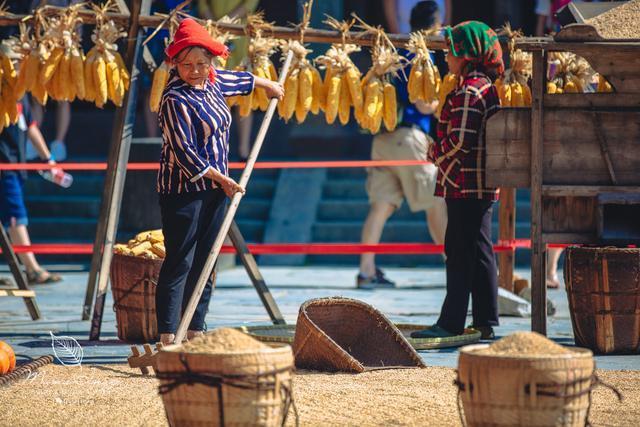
point(244, 388)
point(133, 284)
point(343, 334)
point(603, 288)
point(524, 391)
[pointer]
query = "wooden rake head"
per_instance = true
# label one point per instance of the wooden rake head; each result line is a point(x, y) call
point(145, 360)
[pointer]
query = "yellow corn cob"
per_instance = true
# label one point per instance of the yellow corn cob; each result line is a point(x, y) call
point(449, 83)
point(39, 92)
point(10, 109)
point(77, 73)
point(603, 85)
point(305, 88)
point(158, 249)
point(8, 71)
point(570, 87)
point(415, 83)
point(436, 74)
point(390, 114)
point(316, 87)
point(89, 85)
point(100, 80)
point(325, 87)
point(517, 95)
point(231, 101)
point(260, 95)
point(156, 236)
point(124, 73)
point(30, 70)
point(373, 104)
point(160, 77)
point(559, 90)
point(273, 74)
point(66, 79)
point(353, 82)
point(333, 99)
point(429, 84)
point(21, 82)
point(49, 67)
point(505, 95)
point(113, 80)
point(290, 95)
point(53, 87)
point(301, 112)
point(527, 96)
point(344, 103)
point(578, 83)
point(552, 87)
point(141, 248)
point(245, 103)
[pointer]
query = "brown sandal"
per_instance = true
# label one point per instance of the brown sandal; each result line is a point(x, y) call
point(42, 277)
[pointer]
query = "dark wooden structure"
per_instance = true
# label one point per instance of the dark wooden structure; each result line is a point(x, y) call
point(579, 153)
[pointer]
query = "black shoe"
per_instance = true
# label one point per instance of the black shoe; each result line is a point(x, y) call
point(377, 281)
point(486, 332)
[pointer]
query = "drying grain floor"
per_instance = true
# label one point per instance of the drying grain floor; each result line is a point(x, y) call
point(108, 395)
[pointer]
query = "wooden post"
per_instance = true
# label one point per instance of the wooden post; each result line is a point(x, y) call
point(115, 176)
point(14, 266)
point(538, 250)
point(507, 232)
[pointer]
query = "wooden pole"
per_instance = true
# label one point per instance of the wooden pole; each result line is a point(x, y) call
point(538, 250)
point(231, 211)
point(507, 231)
point(115, 175)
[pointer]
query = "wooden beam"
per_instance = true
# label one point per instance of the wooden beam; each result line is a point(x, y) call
point(24, 293)
point(586, 190)
point(506, 231)
point(569, 238)
point(115, 175)
point(538, 252)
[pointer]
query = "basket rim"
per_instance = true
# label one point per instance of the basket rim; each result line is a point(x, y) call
point(575, 353)
point(272, 348)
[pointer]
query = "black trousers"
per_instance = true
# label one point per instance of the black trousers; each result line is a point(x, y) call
point(471, 266)
point(190, 224)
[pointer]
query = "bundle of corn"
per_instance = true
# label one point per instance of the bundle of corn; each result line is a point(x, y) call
point(569, 73)
point(61, 57)
point(8, 93)
point(24, 49)
point(603, 85)
point(380, 104)
point(257, 62)
point(161, 73)
point(220, 35)
point(106, 76)
point(424, 78)
point(513, 88)
point(147, 244)
point(448, 85)
point(341, 88)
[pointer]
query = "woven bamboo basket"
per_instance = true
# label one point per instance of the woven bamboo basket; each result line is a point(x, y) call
point(133, 284)
point(244, 388)
point(603, 288)
point(343, 334)
point(525, 391)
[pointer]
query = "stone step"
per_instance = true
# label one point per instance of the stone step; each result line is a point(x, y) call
point(63, 206)
point(252, 230)
point(254, 208)
point(68, 228)
point(354, 210)
point(394, 231)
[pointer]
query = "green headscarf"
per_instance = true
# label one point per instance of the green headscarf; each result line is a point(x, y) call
point(477, 43)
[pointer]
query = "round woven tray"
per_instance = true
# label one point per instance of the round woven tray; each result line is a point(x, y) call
point(285, 333)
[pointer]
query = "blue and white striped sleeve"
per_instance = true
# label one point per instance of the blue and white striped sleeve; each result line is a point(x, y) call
point(235, 82)
point(178, 132)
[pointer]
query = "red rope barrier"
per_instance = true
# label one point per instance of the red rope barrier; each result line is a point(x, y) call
point(233, 165)
point(295, 248)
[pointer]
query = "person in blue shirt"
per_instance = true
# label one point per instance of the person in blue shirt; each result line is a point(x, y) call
point(387, 187)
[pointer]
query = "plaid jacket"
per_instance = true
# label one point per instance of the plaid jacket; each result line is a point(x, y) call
point(459, 151)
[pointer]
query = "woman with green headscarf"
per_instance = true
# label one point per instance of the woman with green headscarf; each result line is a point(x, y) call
point(459, 153)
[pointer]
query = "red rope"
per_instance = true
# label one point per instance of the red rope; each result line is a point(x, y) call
point(293, 248)
point(232, 165)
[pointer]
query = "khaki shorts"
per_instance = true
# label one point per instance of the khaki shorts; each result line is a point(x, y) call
point(395, 183)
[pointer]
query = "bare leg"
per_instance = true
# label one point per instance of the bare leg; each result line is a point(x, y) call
point(150, 118)
point(37, 113)
point(437, 220)
point(553, 255)
point(63, 118)
point(244, 134)
point(20, 236)
point(193, 334)
point(379, 212)
point(167, 339)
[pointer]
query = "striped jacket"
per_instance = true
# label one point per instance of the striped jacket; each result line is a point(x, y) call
point(459, 151)
point(195, 130)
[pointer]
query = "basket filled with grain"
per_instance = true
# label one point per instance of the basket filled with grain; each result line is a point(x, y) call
point(603, 288)
point(225, 378)
point(525, 379)
point(135, 269)
point(343, 334)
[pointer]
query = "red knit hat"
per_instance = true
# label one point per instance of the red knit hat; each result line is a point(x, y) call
point(190, 33)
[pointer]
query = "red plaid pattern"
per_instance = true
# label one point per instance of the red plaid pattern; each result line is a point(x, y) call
point(459, 151)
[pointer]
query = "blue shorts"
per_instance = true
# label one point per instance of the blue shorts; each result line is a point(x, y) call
point(12, 209)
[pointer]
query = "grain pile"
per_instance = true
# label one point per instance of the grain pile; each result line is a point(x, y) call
point(620, 22)
point(106, 395)
point(524, 344)
point(223, 340)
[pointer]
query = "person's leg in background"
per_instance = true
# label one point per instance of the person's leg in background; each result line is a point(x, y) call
point(553, 256)
point(245, 125)
point(379, 213)
point(63, 119)
point(150, 118)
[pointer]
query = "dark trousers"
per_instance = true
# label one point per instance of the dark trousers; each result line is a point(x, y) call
point(190, 224)
point(471, 266)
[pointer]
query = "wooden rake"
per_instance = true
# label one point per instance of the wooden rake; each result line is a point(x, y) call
point(146, 359)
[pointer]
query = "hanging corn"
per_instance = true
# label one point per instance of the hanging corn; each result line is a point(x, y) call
point(513, 87)
point(570, 73)
point(424, 78)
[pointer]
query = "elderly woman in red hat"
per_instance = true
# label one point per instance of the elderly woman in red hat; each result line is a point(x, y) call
point(193, 180)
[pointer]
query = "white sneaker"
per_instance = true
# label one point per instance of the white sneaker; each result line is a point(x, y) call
point(59, 150)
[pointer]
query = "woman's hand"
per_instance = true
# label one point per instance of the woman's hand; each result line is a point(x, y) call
point(229, 186)
point(273, 89)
